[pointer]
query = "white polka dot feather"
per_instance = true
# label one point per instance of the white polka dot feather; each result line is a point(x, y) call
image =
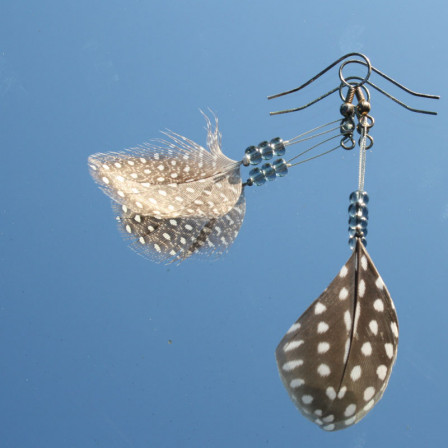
point(173, 178)
point(175, 239)
point(336, 360)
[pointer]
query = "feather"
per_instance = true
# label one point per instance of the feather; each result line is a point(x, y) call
point(175, 239)
point(336, 359)
point(172, 178)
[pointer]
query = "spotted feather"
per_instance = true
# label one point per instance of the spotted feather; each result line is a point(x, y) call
point(173, 178)
point(336, 359)
point(175, 239)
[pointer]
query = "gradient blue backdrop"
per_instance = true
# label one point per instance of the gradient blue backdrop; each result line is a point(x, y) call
point(85, 323)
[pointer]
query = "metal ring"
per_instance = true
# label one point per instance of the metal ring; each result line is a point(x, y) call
point(352, 141)
point(370, 121)
point(365, 89)
point(370, 138)
point(356, 61)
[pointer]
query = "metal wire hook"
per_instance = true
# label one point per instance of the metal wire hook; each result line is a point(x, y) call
point(325, 70)
point(344, 83)
point(363, 81)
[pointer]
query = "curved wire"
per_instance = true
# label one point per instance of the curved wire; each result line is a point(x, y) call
point(388, 78)
point(370, 83)
point(420, 111)
point(325, 70)
point(402, 87)
point(363, 80)
point(286, 111)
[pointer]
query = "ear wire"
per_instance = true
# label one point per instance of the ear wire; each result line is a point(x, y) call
point(362, 81)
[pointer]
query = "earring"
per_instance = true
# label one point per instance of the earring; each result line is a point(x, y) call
point(335, 361)
point(173, 198)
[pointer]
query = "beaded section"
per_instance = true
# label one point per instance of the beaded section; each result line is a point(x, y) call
point(358, 217)
point(267, 172)
point(265, 150)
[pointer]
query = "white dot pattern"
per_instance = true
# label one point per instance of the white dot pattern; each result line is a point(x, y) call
point(343, 293)
point(331, 393)
point(292, 345)
point(366, 349)
point(369, 405)
point(346, 344)
point(296, 382)
point(362, 288)
point(394, 328)
point(350, 410)
point(348, 320)
point(211, 177)
point(323, 347)
point(378, 305)
point(292, 365)
point(307, 399)
point(369, 393)
point(355, 374)
point(174, 240)
point(389, 350)
point(323, 370)
point(342, 391)
point(294, 327)
point(381, 371)
point(350, 421)
point(319, 308)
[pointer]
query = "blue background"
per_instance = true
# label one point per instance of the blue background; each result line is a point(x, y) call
point(85, 323)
